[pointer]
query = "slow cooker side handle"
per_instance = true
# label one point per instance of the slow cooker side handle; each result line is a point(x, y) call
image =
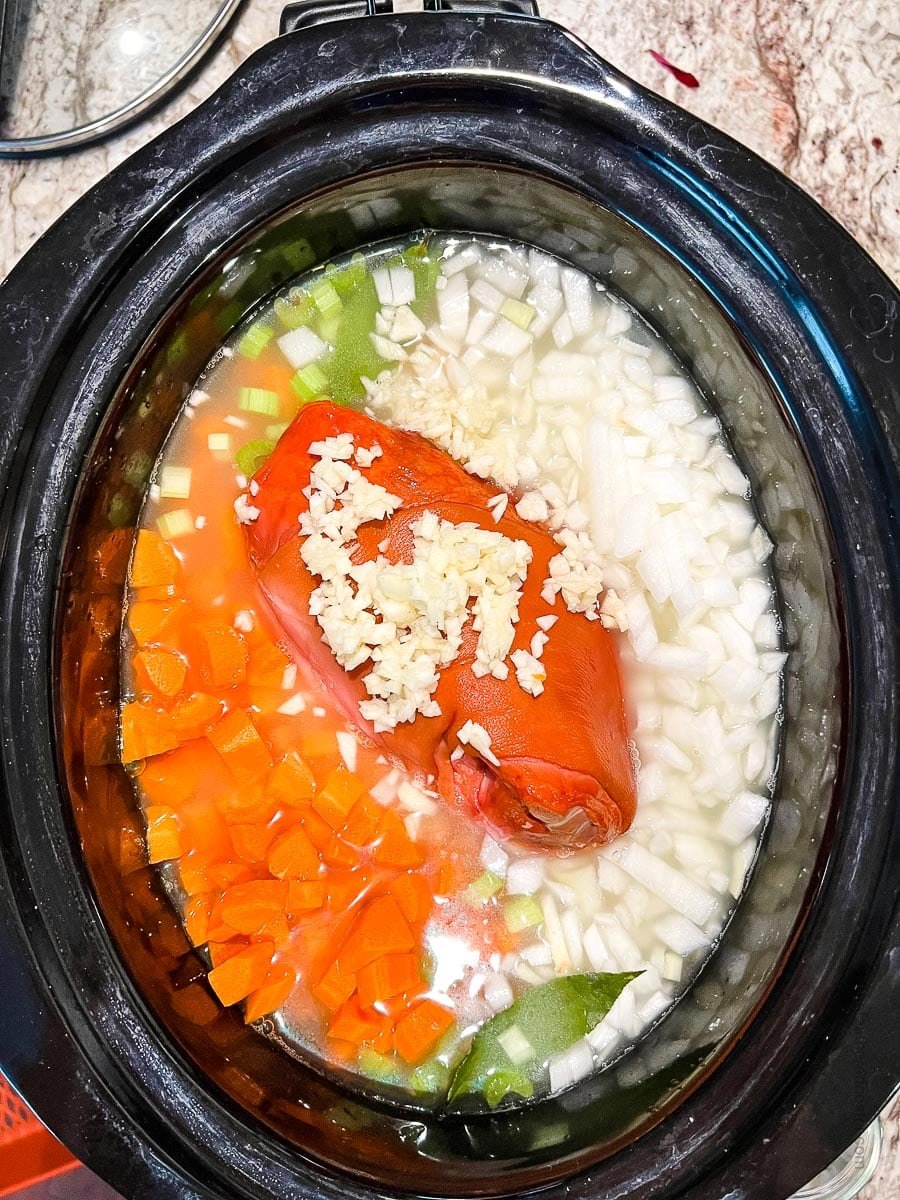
point(318, 12)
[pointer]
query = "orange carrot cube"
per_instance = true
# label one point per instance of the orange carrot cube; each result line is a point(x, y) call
point(341, 791)
point(395, 848)
point(334, 988)
point(163, 833)
point(163, 670)
point(145, 732)
point(224, 656)
point(242, 749)
point(242, 974)
point(270, 996)
point(154, 563)
point(391, 975)
point(293, 856)
point(291, 781)
point(420, 1028)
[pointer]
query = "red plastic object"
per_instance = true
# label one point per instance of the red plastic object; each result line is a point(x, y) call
point(28, 1152)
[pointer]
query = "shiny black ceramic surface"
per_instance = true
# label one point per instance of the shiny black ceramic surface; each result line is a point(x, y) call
point(497, 124)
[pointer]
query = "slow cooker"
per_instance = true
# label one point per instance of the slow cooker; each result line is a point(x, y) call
point(356, 125)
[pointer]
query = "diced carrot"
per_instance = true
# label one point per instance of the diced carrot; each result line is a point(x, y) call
point(364, 821)
point(395, 848)
point(341, 791)
point(132, 851)
point(451, 877)
point(344, 1052)
point(351, 1024)
point(154, 562)
point(145, 732)
point(195, 1004)
point(304, 896)
point(110, 556)
point(227, 874)
point(334, 988)
point(252, 841)
point(220, 950)
point(318, 831)
point(151, 620)
point(291, 781)
point(194, 715)
point(390, 975)
point(413, 893)
point(338, 854)
point(276, 931)
point(193, 875)
point(246, 907)
point(381, 928)
point(156, 593)
point(293, 856)
point(419, 1028)
point(242, 749)
point(383, 1041)
point(196, 919)
point(245, 805)
point(235, 979)
point(270, 996)
point(163, 670)
point(163, 833)
point(344, 888)
point(225, 656)
point(267, 666)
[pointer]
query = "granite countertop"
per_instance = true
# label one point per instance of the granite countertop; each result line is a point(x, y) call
point(811, 85)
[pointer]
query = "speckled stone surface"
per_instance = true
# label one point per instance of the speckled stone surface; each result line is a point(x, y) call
point(811, 85)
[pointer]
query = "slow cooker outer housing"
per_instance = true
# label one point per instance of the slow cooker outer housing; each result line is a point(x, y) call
point(488, 86)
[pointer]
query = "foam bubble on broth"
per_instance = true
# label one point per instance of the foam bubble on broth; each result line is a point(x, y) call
point(536, 377)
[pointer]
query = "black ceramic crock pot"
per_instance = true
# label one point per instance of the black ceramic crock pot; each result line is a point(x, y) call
point(337, 133)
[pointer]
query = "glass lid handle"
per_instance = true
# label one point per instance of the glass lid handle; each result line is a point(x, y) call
point(318, 12)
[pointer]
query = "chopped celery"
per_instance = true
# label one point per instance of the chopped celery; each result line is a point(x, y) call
point(298, 254)
point(378, 1066)
point(175, 524)
point(259, 400)
point(325, 298)
point(481, 889)
point(549, 1017)
point(505, 1081)
point(274, 432)
point(348, 277)
point(137, 468)
point(122, 510)
point(294, 310)
point(518, 312)
point(353, 354)
point(175, 482)
point(219, 443)
point(522, 912)
point(252, 456)
point(177, 348)
point(425, 270)
point(255, 340)
point(328, 328)
point(310, 382)
point(431, 1078)
point(516, 1045)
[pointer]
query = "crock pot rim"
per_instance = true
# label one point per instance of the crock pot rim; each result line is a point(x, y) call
point(675, 131)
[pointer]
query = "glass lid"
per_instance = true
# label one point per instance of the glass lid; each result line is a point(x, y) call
point(70, 74)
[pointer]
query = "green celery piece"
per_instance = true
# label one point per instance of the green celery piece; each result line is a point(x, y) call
point(251, 456)
point(552, 1016)
point(138, 466)
point(378, 1066)
point(353, 354)
point(294, 310)
point(506, 1081)
point(431, 1078)
point(347, 278)
point(122, 510)
point(425, 270)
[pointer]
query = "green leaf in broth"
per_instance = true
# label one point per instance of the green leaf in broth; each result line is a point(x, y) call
point(550, 1017)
